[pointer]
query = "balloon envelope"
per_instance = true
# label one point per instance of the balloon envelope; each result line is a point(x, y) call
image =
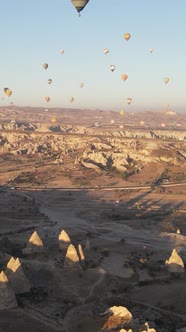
point(129, 101)
point(53, 120)
point(61, 51)
point(45, 66)
point(47, 99)
point(124, 77)
point(106, 50)
point(122, 112)
point(8, 92)
point(81, 84)
point(127, 36)
point(165, 80)
point(112, 67)
point(79, 4)
point(71, 99)
point(49, 81)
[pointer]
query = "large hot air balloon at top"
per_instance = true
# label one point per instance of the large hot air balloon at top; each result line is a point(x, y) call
point(166, 80)
point(79, 4)
point(45, 66)
point(8, 92)
point(127, 36)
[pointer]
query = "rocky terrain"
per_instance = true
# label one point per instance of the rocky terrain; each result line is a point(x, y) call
point(93, 230)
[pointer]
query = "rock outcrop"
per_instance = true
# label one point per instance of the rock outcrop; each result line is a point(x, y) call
point(72, 258)
point(63, 240)
point(17, 277)
point(7, 296)
point(33, 245)
point(175, 264)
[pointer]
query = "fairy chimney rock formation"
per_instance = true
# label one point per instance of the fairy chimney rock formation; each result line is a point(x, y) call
point(81, 254)
point(34, 244)
point(17, 277)
point(71, 258)
point(175, 263)
point(64, 240)
point(87, 244)
point(7, 296)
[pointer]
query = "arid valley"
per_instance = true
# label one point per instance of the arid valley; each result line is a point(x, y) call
point(93, 221)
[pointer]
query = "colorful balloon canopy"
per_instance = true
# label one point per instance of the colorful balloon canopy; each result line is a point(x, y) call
point(122, 112)
point(166, 80)
point(79, 4)
point(106, 51)
point(47, 99)
point(8, 92)
point(45, 65)
point(129, 101)
point(124, 77)
point(49, 81)
point(127, 36)
point(112, 67)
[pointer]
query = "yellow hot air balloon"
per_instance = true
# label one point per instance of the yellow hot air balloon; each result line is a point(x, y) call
point(106, 51)
point(129, 101)
point(79, 4)
point(127, 36)
point(53, 120)
point(122, 112)
point(166, 80)
point(124, 77)
point(47, 99)
point(71, 99)
point(49, 81)
point(45, 66)
point(8, 92)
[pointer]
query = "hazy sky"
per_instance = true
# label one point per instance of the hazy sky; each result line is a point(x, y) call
point(34, 31)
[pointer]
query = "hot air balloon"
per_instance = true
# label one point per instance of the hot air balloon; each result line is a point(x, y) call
point(122, 112)
point(45, 66)
point(129, 101)
point(61, 51)
point(112, 121)
point(81, 84)
point(121, 126)
point(71, 99)
point(112, 67)
point(49, 81)
point(53, 120)
point(166, 80)
point(97, 124)
point(151, 50)
point(47, 99)
point(79, 4)
point(142, 122)
point(124, 77)
point(8, 92)
point(106, 50)
point(163, 124)
point(127, 36)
